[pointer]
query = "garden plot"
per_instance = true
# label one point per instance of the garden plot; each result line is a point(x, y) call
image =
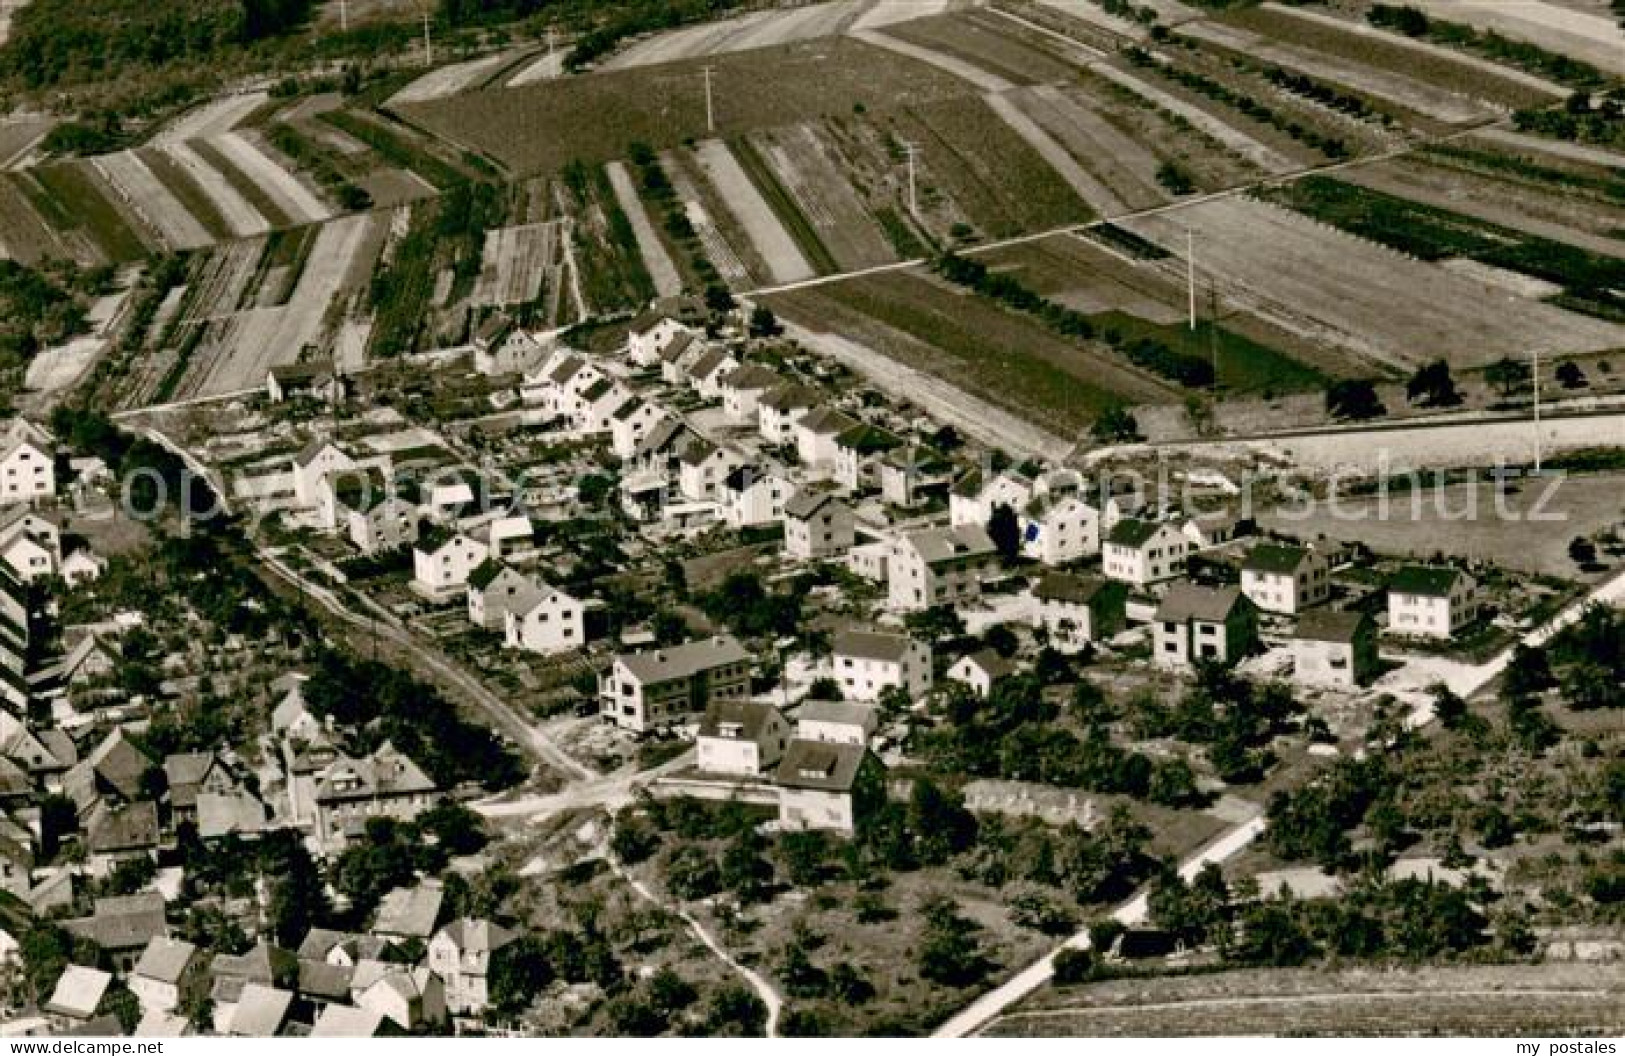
point(991, 45)
point(785, 262)
point(1594, 38)
point(546, 68)
point(1555, 148)
point(239, 214)
point(24, 236)
point(759, 29)
point(1264, 156)
point(280, 185)
point(1387, 86)
point(19, 136)
point(214, 118)
point(144, 196)
point(885, 13)
point(1100, 197)
point(728, 259)
point(806, 167)
point(454, 79)
point(240, 350)
point(656, 261)
point(1365, 45)
point(514, 262)
point(1121, 167)
point(1325, 285)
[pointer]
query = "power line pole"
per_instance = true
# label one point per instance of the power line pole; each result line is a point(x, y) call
point(1190, 273)
point(1213, 326)
point(710, 109)
point(428, 41)
point(913, 152)
point(1537, 411)
point(344, 16)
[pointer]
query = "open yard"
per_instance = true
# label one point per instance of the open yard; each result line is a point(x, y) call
point(1327, 286)
point(1528, 528)
point(1556, 1000)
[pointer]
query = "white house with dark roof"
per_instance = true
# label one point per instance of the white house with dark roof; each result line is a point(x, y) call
point(816, 433)
point(836, 722)
point(706, 373)
point(939, 566)
point(742, 390)
point(911, 475)
point(442, 562)
point(544, 619)
point(702, 469)
point(384, 784)
point(1431, 601)
point(1057, 529)
point(678, 356)
point(857, 450)
point(27, 465)
point(1076, 610)
point(868, 663)
point(315, 462)
point(1286, 579)
point(980, 670)
point(827, 785)
point(1332, 648)
point(377, 513)
point(780, 408)
point(1141, 553)
point(1197, 624)
point(502, 347)
point(462, 954)
point(492, 589)
point(650, 335)
point(674, 684)
point(740, 738)
point(817, 525)
point(753, 495)
point(171, 974)
point(974, 497)
point(630, 424)
point(30, 542)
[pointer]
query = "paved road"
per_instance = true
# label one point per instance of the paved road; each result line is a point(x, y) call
point(993, 1003)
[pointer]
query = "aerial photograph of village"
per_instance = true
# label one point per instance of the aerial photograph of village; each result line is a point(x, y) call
point(812, 518)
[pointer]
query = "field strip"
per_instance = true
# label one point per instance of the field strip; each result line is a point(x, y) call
point(946, 402)
point(241, 216)
point(1399, 40)
point(1086, 132)
point(756, 29)
point(214, 118)
point(546, 68)
point(7, 9)
point(513, 263)
point(1330, 286)
point(280, 185)
point(890, 12)
point(662, 272)
point(1412, 94)
point(1091, 14)
point(982, 79)
point(1262, 155)
point(784, 259)
point(1100, 197)
point(710, 38)
point(450, 80)
point(19, 136)
point(1592, 38)
point(1554, 147)
point(1289, 1000)
point(729, 264)
point(145, 196)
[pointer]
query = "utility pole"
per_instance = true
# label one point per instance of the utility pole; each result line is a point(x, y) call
point(1190, 273)
point(913, 152)
point(1536, 377)
point(344, 16)
point(710, 109)
point(1213, 326)
point(428, 42)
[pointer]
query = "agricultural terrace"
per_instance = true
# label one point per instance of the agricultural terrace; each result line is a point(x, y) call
point(1006, 358)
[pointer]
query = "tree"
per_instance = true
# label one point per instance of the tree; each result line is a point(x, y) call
point(763, 323)
point(1175, 179)
point(1570, 376)
point(1528, 672)
point(518, 972)
point(1433, 386)
point(1582, 551)
point(1115, 425)
point(692, 873)
point(1004, 528)
point(1074, 966)
point(950, 951)
point(735, 1012)
point(634, 840)
point(1507, 374)
point(1353, 399)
